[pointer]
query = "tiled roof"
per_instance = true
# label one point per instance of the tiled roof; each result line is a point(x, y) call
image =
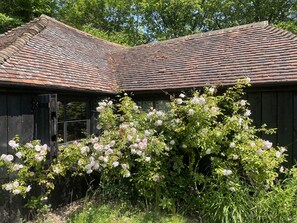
point(262, 52)
point(48, 53)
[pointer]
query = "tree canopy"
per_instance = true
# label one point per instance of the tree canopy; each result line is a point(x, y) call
point(133, 22)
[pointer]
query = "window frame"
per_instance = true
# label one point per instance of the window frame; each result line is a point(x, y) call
point(64, 100)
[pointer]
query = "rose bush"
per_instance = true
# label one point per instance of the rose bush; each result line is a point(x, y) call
point(203, 145)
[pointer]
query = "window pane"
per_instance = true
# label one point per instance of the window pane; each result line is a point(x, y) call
point(162, 105)
point(76, 110)
point(61, 132)
point(60, 111)
point(76, 130)
point(145, 105)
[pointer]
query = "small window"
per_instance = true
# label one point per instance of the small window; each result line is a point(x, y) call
point(73, 121)
point(162, 105)
point(145, 105)
point(159, 105)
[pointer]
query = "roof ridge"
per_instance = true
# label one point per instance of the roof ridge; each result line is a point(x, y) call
point(81, 32)
point(209, 33)
point(37, 26)
point(283, 32)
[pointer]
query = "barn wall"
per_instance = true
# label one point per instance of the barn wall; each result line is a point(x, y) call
point(16, 117)
point(277, 109)
point(19, 116)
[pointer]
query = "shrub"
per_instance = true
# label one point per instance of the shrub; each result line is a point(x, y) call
point(202, 155)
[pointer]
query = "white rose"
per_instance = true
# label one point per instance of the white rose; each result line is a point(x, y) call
point(211, 89)
point(127, 174)
point(13, 144)
point(226, 172)
point(235, 157)
point(232, 145)
point(179, 101)
point(89, 171)
point(38, 157)
point(124, 166)
point(28, 188)
point(15, 184)
point(57, 170)
point(243, 102)
point(191, 112)
point(247, 113)
point(115, 163)
point(283, 149)
point(18, 155)
point(182, 95)
point(267, 145)
point(156, 177)
point(37, 148)
point(158, 122)
point(147, 133)
point(9, 158)
point(232, 189)
point(8, 187)
point(16, 191)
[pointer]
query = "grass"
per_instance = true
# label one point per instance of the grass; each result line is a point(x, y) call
point(122, 213)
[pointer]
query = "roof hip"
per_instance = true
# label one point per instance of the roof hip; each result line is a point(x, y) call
point(34, 28)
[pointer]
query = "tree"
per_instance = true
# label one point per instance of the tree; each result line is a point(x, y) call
point(221, 14)
point(134, 22)
point(108, 19)
point(16, 12)
point(7, 22)
point(166, 19)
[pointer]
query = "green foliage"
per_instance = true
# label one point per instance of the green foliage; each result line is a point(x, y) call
point(21, 11)
point(108, 19)
point(283, 200)
point(120, 37)
point(203, 155)
point(132, 22)
point(227, 205)
point(222, 14)
point(119, 212)
point(28, 163)
point(7, 22)
point(289, 25)
point(166, 19)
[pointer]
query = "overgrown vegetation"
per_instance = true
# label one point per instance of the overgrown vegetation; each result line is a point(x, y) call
point(202, 157)
point(109, 212)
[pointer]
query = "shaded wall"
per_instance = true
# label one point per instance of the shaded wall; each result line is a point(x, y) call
point(278, 109)
point(16, 117)
point(19, 115)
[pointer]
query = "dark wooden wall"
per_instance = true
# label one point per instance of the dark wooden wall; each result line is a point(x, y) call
point(278, 109)
point(16, 117)
point(19, 115)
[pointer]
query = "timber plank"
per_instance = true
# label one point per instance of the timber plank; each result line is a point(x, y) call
point(269, 114)
point(285, 123)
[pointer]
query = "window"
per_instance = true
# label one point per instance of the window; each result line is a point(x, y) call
point(73, 120)
point(158, 104)
point(161, 105)
point(145, 105)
